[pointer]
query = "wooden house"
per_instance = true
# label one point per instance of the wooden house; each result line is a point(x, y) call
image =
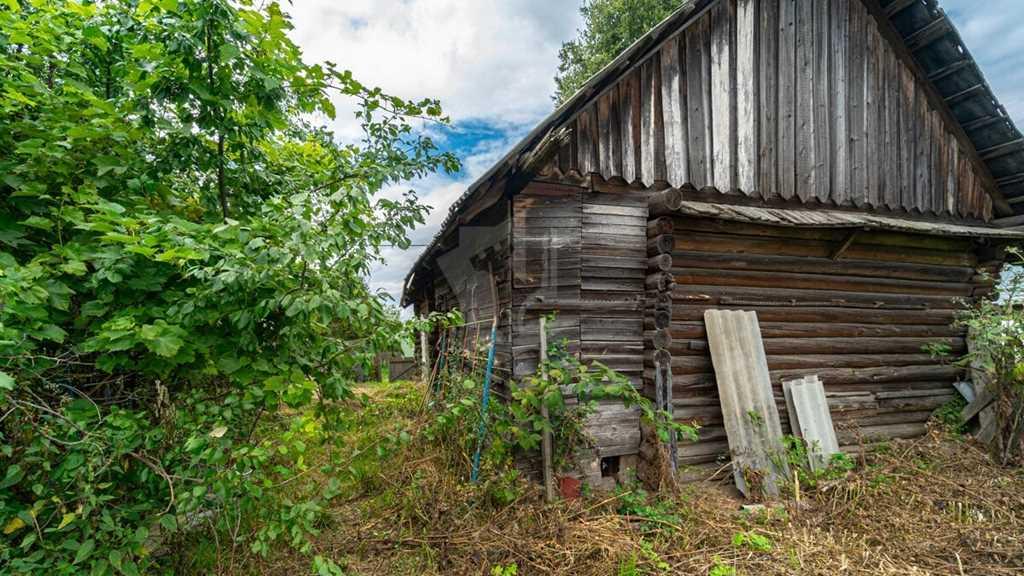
point(841, 168)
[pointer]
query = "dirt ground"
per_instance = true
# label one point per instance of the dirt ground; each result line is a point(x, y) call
point(935, 505)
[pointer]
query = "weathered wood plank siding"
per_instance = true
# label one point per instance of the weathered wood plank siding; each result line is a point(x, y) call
point(860, 321)
point(581, 253)
point(781, 99)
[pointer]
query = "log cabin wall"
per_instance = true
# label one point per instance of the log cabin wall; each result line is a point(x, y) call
point(462, 279)
point(856, 310)
point(783, 100)
point(580, 254)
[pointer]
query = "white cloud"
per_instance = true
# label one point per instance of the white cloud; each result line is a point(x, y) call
point(489, 61)
point(993, 33)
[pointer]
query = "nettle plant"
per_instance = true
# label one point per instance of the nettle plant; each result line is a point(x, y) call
point(183, 258)
point(572, 390)
point(996, 328)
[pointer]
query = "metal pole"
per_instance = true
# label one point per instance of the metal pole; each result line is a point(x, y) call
point(549, 486)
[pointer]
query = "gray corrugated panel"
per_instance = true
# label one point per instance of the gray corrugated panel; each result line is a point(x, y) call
point(809, 417)
point(823, 218)
point(748, 405)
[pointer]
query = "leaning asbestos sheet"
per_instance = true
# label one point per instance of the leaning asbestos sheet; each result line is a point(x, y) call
point(748, 404)
point(809, 417)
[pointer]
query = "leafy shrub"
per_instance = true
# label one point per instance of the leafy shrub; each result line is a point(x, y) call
point(182, 263)
point(751, 541)
point(996, 327)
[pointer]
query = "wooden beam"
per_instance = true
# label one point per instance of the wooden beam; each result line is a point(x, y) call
point(983, 123)
point(1001, 149)
point(964, 94)
point(899, 6)
point(1010, 222)
point(929, 33)
point(950, 69)
point(850, 238)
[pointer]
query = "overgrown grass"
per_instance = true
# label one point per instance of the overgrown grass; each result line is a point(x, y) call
point(406, 508)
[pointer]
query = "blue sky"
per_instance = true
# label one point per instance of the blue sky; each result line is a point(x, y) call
point(492, 63)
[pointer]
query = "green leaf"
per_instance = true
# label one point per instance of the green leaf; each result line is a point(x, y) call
point(169, 522)
point(13, 476)
point(84, 551)
point(161, 340)
point(38, 222)
point(6, 381)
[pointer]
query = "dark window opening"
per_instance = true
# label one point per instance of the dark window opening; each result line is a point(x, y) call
point(609, 466)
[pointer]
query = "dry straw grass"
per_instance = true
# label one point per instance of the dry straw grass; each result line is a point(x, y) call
point(929, 506)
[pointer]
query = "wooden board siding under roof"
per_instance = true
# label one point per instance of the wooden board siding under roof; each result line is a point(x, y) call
point(784, 100)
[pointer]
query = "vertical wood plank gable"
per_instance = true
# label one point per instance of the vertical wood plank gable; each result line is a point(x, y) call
point(586, 129)
point(806, 162)
point(908, 152)
point(768, 97)
point(698, 88)
point(893, 177)
point(787, 98)
point(922, 149)
point(857, 70)
point(629, 106)
point(746, 96)
point(673, 113)
point(839, 106)
point(872, 111)
point(652, 148)
point(822, 113)
point(604, 135)
point(723, 96)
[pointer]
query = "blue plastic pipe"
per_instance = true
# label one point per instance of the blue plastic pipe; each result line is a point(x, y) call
point(483, 405)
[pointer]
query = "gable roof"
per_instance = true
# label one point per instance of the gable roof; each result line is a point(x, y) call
point(938, 49)
point(926, 33)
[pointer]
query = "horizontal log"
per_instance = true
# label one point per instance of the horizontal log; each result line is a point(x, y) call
point(702, 364)
point(698, 330)
point(657, 319)
point(821, 314)
point(746, 296)
point(660, 226)
point(811, 265)
point(660, 263)
point(598, 261)
point(663, 244)
point(879, 433)
point(658, 299)
point(659, 281)
point(828, 346)
point(796, 280)
point(836, 234)
point(728, 244)
point(838, 376)
point(659, 339)
point(666, 202)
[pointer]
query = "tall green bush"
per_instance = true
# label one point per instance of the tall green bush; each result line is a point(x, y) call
point(183, 254)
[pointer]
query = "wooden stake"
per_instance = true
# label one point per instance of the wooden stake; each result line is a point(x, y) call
point(424, 357)
point(549, 486)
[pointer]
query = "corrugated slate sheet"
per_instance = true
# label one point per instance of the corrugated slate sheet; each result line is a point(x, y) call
point(748, 404)
point(810, 419)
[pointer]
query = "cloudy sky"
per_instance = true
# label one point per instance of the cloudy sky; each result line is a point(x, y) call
point(491, 62)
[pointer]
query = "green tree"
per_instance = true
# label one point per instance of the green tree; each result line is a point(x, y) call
point(183, 258)
point(609, 27)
